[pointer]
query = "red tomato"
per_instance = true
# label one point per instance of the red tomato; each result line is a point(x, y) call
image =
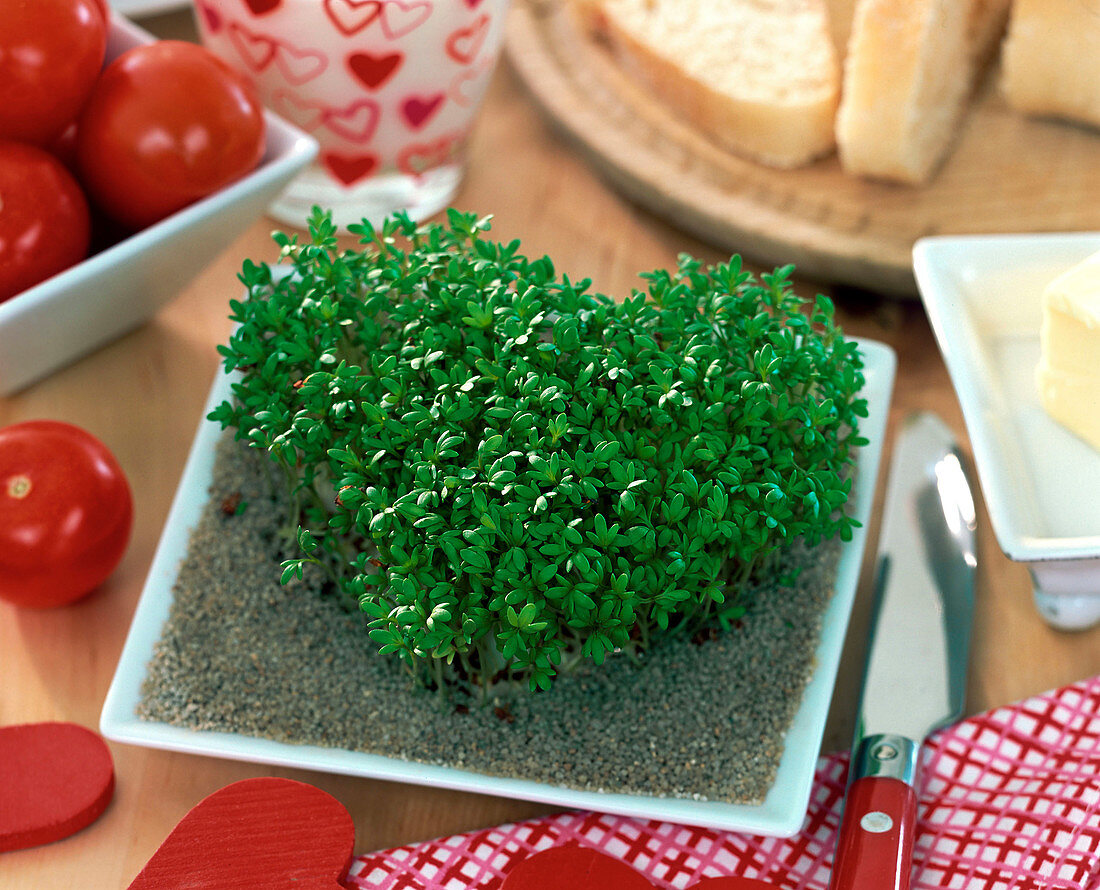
point(65, 513)
point(167, 123)
point(64, 147)
point(51, 52)
point(44, 220)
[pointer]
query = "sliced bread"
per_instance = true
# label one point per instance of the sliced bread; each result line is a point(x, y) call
point(1051, 59)
point(759, 77)
point(909, 72)
point(988, 19)
point(840, 14)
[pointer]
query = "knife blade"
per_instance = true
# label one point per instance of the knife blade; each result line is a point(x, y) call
point(918, 648)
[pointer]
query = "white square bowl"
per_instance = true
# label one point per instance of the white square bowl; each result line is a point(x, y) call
point(139, 8)
point(121, 287)
point(1041, 483)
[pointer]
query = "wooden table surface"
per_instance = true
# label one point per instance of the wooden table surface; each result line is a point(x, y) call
point(143, 396)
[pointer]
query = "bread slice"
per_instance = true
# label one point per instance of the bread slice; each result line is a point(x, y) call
point(909, 72)
point(759, 77)
point(841, 13)
point(1051, 59)
point(988, 19)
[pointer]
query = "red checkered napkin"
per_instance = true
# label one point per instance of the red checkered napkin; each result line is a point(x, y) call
point(1011, 801)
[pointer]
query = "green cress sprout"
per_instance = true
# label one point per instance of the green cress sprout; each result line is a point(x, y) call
point(509, 474)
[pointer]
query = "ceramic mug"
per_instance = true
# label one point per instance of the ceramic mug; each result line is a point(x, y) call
point(389, 88)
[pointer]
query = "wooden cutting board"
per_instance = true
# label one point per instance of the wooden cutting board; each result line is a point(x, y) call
point(1007, 173)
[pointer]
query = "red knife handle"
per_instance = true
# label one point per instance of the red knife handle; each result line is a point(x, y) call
point(875, 848)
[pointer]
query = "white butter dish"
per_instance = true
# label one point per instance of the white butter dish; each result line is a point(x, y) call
point(1041, 482)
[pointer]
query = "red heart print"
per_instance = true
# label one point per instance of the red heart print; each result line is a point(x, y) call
point(211, 17)
point(307, 115)
point(464, 44)
point(259, 50)
point(299, 66)
point(373, 71)
point(466, 86)
point(349, 169)
point(57, 778)
point(583, 868)
point(473, 4)
point(272, 833)
point(418, 158)
point(418, 110)
point(352, 16)
point(256, 50)
point(400, 18)
point(355, 122)
point(261, 7)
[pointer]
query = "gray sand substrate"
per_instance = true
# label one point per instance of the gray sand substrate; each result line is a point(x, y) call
point(241, 653)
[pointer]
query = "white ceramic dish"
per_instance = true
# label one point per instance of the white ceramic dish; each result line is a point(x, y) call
point(137, 9)
point(117, 289)
point(1041, 483)
point(783, 810)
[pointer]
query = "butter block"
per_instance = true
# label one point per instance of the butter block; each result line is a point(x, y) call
point(1068, 375)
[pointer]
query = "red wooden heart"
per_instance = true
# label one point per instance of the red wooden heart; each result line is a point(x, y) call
point(271, 833)
point(349, 169)
point(55, 779)
point(373, 71)
point(575, 867)
point(583, 868)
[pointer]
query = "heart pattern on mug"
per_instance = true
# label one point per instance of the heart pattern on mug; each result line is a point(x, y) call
point(418, 158)
point(345, 73)
point(306, 114)
point(349, 169)
point(466, 86)
point(355, 122)
point(299, 66)
point(255, 50)
point(372, 71)
point(210, 16)
point(258, 51)
point(57, 778)
point(418, 110)
point(268, 832)
point(464, 44)
point(352, 16)
point(400, 18)
point(583, 868)
point(262, 7)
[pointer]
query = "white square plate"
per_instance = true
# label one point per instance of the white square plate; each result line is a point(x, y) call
point(1041, 483)
point(784, 807)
